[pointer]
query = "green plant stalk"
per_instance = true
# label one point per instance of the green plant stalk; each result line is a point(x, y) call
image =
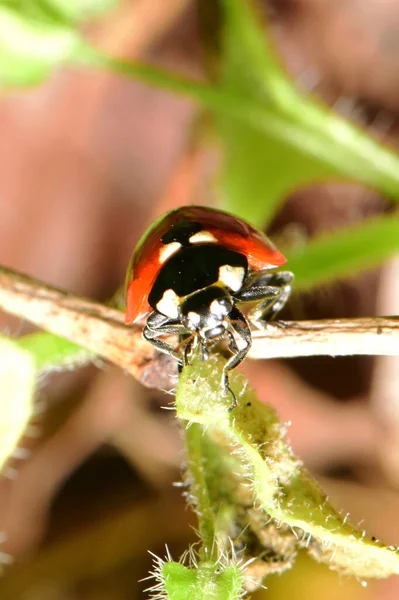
point(359, 157)
point(278, 89)
point(202, 583)
point(281, 486)
point(193, 434)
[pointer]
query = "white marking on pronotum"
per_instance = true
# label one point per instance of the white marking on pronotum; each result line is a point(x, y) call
point(194, 317)
point(167, 251)
point(232, 276)
point(169, 304)
point(217, 308)
point(202, 237)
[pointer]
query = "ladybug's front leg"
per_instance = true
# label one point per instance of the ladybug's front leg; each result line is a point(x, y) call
point(271, 289)
point(158, 325)
point(240, 327)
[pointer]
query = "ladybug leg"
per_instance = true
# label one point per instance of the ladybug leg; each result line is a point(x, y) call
point(158, 325)
point(189, 344)
point(232, 343)
point(204, 352)
point(240, 327)
point(271, 289)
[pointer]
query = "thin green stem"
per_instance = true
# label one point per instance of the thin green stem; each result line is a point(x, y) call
point(199, 487)
point(356, 149)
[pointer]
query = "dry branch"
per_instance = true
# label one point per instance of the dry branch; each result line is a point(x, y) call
point(328, 337)
point(101, 329)
point(94, 326)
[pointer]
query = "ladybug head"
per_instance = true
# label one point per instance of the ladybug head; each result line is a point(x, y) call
point(206, 312)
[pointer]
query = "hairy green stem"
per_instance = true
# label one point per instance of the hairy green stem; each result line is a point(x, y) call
point(198, 483)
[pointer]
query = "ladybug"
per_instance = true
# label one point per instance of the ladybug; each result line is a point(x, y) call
point(190, 273)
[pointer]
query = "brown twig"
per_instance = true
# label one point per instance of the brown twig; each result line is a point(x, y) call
point(328, 337)
point(101, 329)
point(94, 326)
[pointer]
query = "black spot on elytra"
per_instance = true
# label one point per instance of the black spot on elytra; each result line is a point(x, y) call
point(181, 232)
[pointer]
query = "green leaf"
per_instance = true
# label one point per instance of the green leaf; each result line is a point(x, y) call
point(21, 363)
point(280, 485)
point(53, 353)
point(259, 170)
point(63, 12)
point(344, 252)
point(313, 144)
point(39, 35)
point(79, 10)
point(331, 142)
point(30, 49)
point(17, 384)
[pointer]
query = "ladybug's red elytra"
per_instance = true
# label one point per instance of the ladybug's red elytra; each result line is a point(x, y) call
point(189, 273)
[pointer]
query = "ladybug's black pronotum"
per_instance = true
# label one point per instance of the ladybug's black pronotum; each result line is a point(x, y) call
point(189, 274)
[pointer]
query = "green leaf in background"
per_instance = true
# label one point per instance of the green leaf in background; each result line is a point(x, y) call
point(259, 170)
point(22, 361)
point(310, 144)
point(17, 385)
point(30, 49)
point(61, 11)
point(52, 353)
point(39, 35)
point(344, 252)
point(79, 10)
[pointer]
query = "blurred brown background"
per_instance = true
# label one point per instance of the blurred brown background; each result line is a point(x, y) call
point(86, 162)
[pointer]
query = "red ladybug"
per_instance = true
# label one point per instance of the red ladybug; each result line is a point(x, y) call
point(191, 270)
